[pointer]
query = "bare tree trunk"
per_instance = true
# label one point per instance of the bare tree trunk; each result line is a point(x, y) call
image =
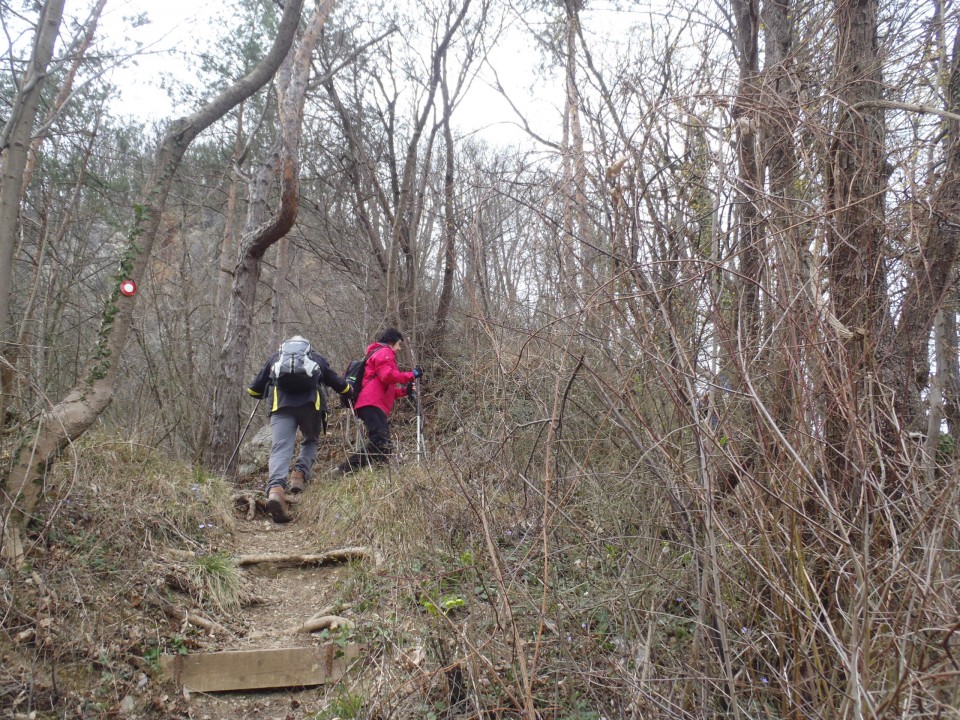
point(281, 280)
point(75, 413)
point(739, 327)
point(780, 159)
point(745, 114)
point(575, 254)
point(261, 233)
point(856, 179)
point(933, 270)
point(229, 241)
point(949, 356)
point(15, 146)
point(401, 235)
point(449, 227)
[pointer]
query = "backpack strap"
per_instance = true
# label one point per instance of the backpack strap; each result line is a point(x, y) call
point(370, 355)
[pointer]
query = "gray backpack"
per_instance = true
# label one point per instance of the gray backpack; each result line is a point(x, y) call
point(295, 371)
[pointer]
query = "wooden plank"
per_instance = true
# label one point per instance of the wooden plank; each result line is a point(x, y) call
point(257, 669)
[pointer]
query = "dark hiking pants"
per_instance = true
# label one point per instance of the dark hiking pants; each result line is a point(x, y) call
point(378, 446)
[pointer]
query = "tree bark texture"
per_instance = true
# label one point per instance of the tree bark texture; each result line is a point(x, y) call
point(933, 271)
point(779, 157)
point(449, 227)
point(856, 181)
point(575, 255)
point(15, 146)
point(746, 111)
point(262, 231)
point(229, 241)
point(73, 415)
point(948, 356)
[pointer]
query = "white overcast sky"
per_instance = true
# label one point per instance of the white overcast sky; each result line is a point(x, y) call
point(177, 24)
point(173, 26)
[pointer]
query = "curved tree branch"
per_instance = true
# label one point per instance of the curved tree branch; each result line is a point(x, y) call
point(83, 404)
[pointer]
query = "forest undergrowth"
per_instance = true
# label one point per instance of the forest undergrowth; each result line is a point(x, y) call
point(495, 588)
point(455, 594)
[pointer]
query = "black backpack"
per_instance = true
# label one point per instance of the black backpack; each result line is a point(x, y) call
point(354, 376)
point(295, 371)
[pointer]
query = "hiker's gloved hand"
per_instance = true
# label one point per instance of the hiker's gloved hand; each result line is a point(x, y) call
point(417, 371)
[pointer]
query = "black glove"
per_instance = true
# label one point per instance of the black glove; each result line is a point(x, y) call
point(417, 371)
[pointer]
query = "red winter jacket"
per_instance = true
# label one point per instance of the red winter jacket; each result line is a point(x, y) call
point(380, 379)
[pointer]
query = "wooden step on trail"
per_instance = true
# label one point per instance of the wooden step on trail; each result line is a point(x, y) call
point(260, 669)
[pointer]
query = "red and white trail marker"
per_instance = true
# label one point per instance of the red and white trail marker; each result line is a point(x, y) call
point(128, 287)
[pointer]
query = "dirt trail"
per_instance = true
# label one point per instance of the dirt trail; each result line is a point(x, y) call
point(291, 596)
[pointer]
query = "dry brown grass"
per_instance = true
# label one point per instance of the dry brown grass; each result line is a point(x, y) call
point(82, 631)
point(622, 589)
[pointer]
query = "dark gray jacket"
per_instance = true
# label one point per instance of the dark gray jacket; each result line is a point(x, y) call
point(281, 399)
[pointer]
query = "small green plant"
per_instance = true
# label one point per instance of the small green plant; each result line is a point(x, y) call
point(580, 712)
point(946, 448)
point(199, 476)
point(152, 656)
point(341, 637)
point(345, 707)
point(444, 605)
point(154, 652)
point(178, 643)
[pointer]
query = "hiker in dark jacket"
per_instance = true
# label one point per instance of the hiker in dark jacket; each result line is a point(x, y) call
point(291, 410)
point(382, 384)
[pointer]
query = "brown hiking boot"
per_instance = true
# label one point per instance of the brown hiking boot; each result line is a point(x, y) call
point(297, 482)
point(277, 505)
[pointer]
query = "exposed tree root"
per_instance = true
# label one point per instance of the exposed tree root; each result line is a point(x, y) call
point(320, 622)
point(249, 502)
point(178, 613)
point(333, 557)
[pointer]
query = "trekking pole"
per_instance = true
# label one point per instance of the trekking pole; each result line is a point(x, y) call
point(421, 450)
point(242, 435)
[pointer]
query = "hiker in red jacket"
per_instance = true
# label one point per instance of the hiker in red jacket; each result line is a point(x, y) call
point(382, 384)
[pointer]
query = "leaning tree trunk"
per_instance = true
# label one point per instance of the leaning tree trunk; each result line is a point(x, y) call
point(261, 233)
point(72, 416)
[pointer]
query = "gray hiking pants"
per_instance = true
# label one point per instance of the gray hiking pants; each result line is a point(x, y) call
point(284, 424)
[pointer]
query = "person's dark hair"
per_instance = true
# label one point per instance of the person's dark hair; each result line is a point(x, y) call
point(390, 336)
